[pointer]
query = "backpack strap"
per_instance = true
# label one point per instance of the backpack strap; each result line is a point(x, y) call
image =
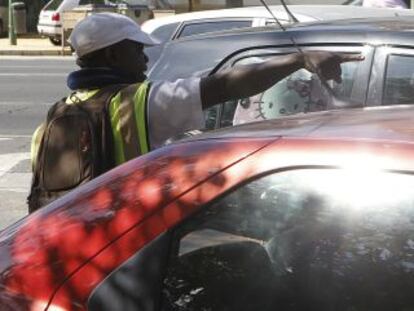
point(98, 107)
point(105, 94)
point(50, 113)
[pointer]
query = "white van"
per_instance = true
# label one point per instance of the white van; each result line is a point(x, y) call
point(50, 23)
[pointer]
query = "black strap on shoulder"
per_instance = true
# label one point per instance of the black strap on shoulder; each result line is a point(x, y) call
point(105, 94)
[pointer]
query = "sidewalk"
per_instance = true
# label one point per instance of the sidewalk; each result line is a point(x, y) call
point(31, 46)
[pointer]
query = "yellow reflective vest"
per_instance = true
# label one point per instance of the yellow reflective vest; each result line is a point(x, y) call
point(128, 116)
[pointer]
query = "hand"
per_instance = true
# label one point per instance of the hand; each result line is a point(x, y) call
point(328, 64)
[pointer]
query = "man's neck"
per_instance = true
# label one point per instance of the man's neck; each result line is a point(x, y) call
point(88, 78)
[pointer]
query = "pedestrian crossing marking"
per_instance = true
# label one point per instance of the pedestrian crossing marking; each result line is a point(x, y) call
point(9, 160)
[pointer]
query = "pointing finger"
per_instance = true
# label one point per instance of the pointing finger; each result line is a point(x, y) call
point(351, 57)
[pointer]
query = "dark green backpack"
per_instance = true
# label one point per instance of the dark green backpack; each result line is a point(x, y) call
point(76, 146)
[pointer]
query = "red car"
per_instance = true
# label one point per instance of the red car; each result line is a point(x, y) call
point(311, 212)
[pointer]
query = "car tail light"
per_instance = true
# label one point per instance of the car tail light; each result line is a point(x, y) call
point(56, 17)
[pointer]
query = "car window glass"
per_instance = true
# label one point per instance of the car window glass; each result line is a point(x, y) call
point(326, 239)
point(274, 23)
point(84, 2)
point(52, 5)
point(135, 284)
point(199, 28)
point(131, 2)
point(165, 32)
point(300, 92)
point(399, 80)
point(211, 116)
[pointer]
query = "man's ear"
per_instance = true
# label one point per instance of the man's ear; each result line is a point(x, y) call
point(111, 56)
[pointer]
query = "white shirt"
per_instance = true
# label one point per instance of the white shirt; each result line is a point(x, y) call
point(173, 108)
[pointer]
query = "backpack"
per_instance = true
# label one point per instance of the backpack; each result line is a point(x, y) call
point(77, 146)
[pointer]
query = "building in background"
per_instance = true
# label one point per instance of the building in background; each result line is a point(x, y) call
point(33, 10)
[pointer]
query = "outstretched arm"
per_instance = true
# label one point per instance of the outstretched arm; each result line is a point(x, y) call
point(245, 81)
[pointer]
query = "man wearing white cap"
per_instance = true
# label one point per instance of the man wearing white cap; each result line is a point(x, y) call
point(143, 115)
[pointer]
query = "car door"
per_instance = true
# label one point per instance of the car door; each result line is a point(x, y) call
point(392, 81)
point(300, 92)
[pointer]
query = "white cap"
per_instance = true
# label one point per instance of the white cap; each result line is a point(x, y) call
point(101, 30)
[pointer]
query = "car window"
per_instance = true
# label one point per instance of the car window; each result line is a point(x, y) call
point(131, 2)
point(301, 92)
point(84, 2)
point(310, 239)
point(199, 28)
point(134, 285)
point(399, 80)
point(273, 22)
point(177, 59)
point(165, 32)
point(52, 5)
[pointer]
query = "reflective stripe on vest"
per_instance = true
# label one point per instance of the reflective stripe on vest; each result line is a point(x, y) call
point(36, 139)
point(128, 120)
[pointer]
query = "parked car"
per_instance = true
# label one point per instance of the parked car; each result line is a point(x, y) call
point(188, 6)
point(178, 26)
point(50, 18)
point(189, 24)
point(385, 77)
point(300, 213)
point(50, 24)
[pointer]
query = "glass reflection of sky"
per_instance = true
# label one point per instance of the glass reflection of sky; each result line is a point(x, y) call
point(354, 187)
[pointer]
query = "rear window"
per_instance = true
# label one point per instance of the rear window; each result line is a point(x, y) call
point(96, 2)
point(52, 5)
point(132, 2)
point(199, 28)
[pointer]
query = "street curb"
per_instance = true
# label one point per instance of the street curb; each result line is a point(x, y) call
point(33, 53)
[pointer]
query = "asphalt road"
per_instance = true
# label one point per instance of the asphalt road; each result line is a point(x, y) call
point(28, 87)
